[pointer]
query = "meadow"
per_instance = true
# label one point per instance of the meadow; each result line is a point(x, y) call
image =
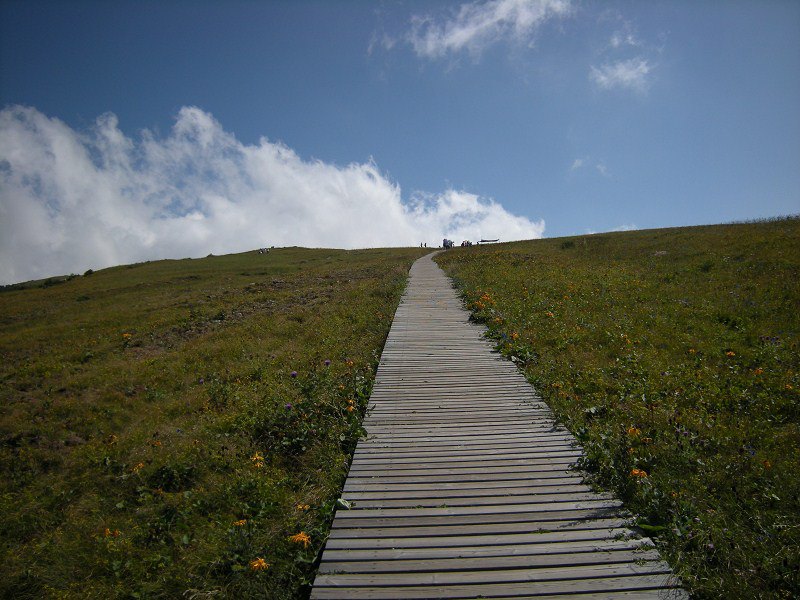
point(183, 428)
point(674, 357)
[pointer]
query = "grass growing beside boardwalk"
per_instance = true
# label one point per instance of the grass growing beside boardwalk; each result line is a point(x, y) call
point(182, 428)
point(674, 357)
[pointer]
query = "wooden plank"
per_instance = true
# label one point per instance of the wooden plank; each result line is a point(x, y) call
point(484, 563)
point(581, 586)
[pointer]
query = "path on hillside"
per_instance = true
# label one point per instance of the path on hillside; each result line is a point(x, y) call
point(463, 486)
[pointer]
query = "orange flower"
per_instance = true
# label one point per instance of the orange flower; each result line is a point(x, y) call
point(351, 408)
point(692, 351)
point(137, 467)
point(109, 533)
point(638, 473)
point(549, 314)
point(767, 464)
point(303, 507)
point(758, 371)
point(514, 335)
point(300, 538)
point(259, 564)
point(730, 353)
point(156, 444)
point(240, 523)
point(633, 431)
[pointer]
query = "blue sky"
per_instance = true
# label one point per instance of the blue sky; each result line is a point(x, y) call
point(398, 122)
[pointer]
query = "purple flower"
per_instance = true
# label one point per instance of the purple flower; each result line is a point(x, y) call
point(201, 381)
point(288, 406)
point(293, 374)
point(327, 362)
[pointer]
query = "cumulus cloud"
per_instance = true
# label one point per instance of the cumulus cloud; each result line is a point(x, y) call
point(626, 74)
point(477, 25)
point(72, 200)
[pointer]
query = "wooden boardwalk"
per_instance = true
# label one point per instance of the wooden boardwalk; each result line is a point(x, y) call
point(463, 487)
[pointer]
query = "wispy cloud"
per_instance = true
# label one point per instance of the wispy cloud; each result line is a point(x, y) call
point(576, 164)
point(625, 74)
point(73, 200)
point(478, 25)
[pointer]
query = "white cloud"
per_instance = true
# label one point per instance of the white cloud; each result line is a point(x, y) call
point(577, 164)
point(627, 74)
point(72, 200)
point(478, 25)
point(602, 169)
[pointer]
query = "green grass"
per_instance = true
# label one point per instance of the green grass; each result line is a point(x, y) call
point(674, 357)
point(153, 440)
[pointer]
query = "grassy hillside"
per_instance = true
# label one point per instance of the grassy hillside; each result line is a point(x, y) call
point(169, 429)
point(674, 357)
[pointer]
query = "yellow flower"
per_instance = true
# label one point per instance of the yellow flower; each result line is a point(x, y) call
point(549, 314)
point(350, 408)
point(730, 353)
point(638, 473)
point(259, 564)
point(300, 538)
point(758, 371)
point(127, 335)
point(303, 507)
point(137, 467)
point(692, 351)
point(111, 533)
point(514, 335)
point(633, 431)
point(240, 523)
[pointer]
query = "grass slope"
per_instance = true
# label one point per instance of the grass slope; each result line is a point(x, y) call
point(673, 356)
point(154, 441)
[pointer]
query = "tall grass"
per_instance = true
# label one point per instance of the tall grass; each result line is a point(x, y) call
point(674, 357)
point(183, 428)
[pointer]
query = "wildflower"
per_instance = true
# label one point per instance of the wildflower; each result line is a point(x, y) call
point(259, 564)
point(127, 335)
point(111, 533)
point(789, 386)
point(289, 406)
point(549, 314)
point(258, 460)
point(638, 473)
point(514, 335)
point(730, 353)
point(156, 444)
point(137, 467)
point(349, 362)
point(240, 523)
point(300, 538)
point(293, 374)
point(303, 507)
point(758, 371)
point(633, 431)
point(631, 451)
point(327, 362)
point(767, 464)
point(350, 408)
point(647, 440)
point(692, 351)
